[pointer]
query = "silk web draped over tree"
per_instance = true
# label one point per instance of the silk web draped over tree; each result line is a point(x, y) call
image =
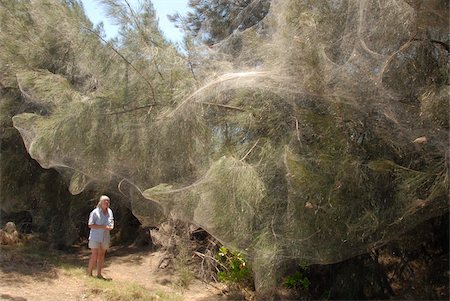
point(315, 133)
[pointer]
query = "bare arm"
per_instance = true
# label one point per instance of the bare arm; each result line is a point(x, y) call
point(103, 227)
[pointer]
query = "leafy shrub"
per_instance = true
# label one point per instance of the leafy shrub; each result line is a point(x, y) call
point(233, 265)
point(297, 280)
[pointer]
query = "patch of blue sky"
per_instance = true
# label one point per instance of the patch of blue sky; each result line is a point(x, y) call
point(96, 14)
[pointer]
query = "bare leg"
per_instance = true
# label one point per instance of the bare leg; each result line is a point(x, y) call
point(100, 260)
point(92, 261)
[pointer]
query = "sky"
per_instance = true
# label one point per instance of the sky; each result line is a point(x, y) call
point(163, 7)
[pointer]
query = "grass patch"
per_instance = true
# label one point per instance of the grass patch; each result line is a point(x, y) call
point(118, 291)
point(36, 258)
point(168, 297)
point(72, 270)
point(124, 291)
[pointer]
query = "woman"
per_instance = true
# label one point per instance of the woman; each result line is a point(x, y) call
point(101, 222)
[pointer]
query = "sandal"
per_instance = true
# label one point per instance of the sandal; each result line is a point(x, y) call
point(103, 278)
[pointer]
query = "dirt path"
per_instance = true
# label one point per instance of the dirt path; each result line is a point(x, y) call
point(134, 274)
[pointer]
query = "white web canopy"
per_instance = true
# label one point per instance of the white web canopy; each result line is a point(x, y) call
point(300, 143)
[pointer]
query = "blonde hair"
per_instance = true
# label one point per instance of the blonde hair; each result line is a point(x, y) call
point(101, 199)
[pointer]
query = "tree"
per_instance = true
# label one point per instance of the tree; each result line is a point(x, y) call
point(212, 21)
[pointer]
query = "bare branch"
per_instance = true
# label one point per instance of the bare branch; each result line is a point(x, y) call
point(124, 58)
point(221, 105)
point(298, 131)
point(132, 109)
point(254, 145)
point(142, 33)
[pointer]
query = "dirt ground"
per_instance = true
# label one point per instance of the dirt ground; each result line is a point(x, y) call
point(32, 276)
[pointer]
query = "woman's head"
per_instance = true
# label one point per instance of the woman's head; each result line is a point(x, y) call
point(103, 201)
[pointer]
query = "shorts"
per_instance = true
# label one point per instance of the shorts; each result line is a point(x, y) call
point(97, 245)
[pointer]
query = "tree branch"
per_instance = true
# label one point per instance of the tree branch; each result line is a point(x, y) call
point(254, 145)
point(142, 32)
point(131, 110)
point(220, 105)
point(124, 58)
